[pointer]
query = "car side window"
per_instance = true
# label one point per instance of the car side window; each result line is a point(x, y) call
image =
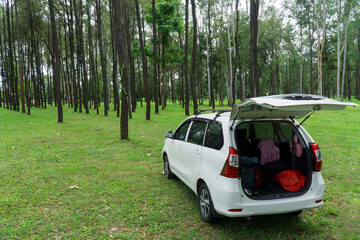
point(214, 136)
point(180, 134)
point(197, 132)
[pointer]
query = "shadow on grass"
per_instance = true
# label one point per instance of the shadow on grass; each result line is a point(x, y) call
point(279, 226)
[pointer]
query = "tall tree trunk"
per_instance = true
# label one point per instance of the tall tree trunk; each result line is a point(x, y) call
point(78, 54)
point(130, 64)
point(156, 95)
point(208, 64)
point(163, 77)
point(236, 50)
point(212, 98)
point(320, 43)
point(22, 95)
point(311, 81)
point(121, 48)
point(11, 60)
point(230, 81)
point(254, 68)
point(103, 59)
point(181, 82)
point(83, 62)
point(194, 58)
point(144, 62)
point(186, 65)
point(345, 52)
point(72, 55)
point(115, 63)
point(94, 77)
point(56, 61)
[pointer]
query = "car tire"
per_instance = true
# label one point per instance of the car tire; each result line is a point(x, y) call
point(206, 206)
point(167, 170)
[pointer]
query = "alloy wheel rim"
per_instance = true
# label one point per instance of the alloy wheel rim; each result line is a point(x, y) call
point(204, 202)
point(166, 168)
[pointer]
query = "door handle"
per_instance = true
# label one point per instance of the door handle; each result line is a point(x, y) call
point(197, 151)
point(179, 147)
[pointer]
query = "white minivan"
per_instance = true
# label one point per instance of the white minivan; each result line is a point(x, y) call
point(255, 159)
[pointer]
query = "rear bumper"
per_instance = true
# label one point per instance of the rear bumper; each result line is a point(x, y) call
point(226, 195)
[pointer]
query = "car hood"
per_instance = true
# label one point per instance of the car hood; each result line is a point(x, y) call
point(284, 106)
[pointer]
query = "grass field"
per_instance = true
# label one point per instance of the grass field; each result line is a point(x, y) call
point(78, 180)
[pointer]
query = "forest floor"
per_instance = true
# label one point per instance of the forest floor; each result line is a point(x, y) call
point(78, 180)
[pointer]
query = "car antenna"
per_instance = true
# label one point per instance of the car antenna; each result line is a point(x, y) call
point(306, 118)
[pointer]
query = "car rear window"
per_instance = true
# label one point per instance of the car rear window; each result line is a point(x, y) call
point(265, 130)
point(214, 136)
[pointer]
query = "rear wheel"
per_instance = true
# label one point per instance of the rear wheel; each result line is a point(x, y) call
point(167, 170)
point(205, 204)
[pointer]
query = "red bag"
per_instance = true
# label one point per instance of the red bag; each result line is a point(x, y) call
point(291, 180)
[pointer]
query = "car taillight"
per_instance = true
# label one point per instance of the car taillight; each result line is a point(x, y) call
point(231, 166)
point(317, 156)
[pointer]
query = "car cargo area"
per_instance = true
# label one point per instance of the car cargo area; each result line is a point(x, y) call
point(275, 161)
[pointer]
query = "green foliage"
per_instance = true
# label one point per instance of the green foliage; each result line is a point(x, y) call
point(77, 180)
point(168, 18)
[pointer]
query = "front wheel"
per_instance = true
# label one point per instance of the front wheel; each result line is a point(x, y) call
point(206, 206)
point(167, 170)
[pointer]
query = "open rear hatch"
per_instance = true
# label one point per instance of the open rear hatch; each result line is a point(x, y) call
point(284, 106)
point(267, 123)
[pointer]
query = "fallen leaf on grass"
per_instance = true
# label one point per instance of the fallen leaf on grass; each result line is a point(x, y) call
point(162, 172)
point(114, 229)
point(73, 186)
point(148, 154)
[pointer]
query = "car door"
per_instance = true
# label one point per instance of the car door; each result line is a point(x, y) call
point(176, 146)
point(191, 152)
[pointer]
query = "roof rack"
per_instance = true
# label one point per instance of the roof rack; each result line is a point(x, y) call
point(219, 111)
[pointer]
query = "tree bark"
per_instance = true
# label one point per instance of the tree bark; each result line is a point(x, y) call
point(102, 59)
point(194, 58)
point(144, 62)
point(72, 55)
point(94, 77)
point(186, 65)
point(56, 61)
point(11, 61)
point(156, 95)
point(22, 95)
point(121, 49)
point(212, 98)
point(254, 68)
point(236, 50)
point(345, 52)
point(320, 43)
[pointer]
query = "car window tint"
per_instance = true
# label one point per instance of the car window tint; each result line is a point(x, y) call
point(214, 136)
point(180, 134)
point(196, 134)
point(287, 130)
point(265, 131)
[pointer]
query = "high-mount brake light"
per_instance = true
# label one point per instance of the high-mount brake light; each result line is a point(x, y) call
point(317, 157)
point(231, 166)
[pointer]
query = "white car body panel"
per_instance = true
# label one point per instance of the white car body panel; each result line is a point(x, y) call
point(194, 164)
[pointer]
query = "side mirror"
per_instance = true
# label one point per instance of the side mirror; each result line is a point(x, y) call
point(169, 134)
